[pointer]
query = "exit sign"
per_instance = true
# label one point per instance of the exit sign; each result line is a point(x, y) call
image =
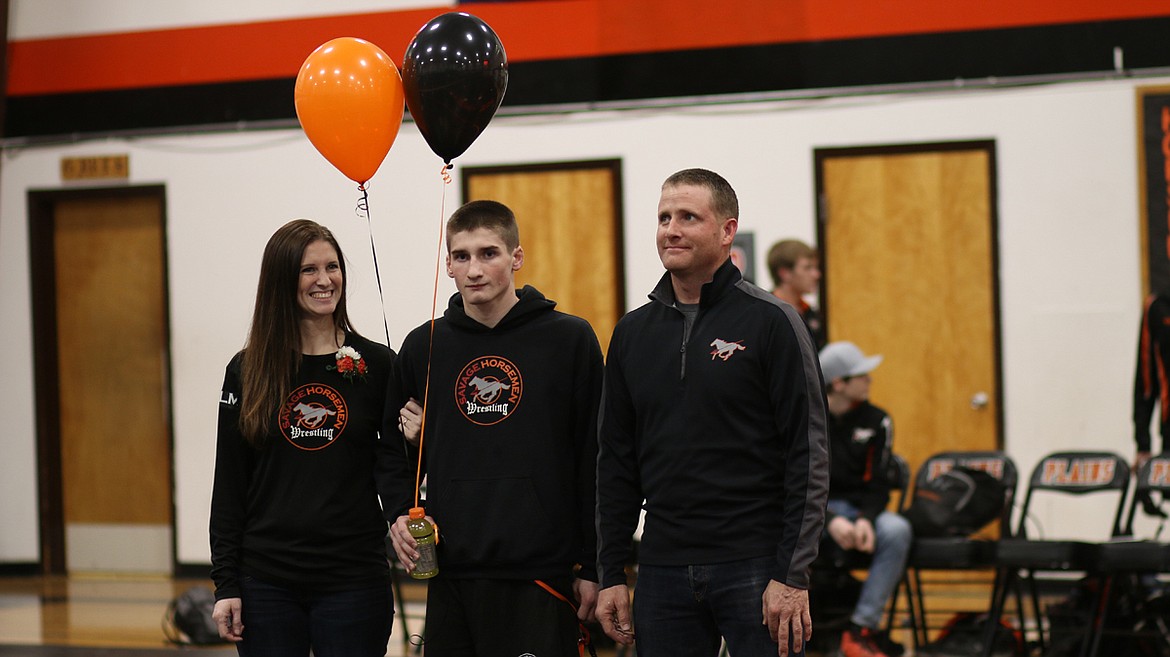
point(96, 167)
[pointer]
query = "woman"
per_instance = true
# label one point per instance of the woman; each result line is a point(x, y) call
point(297, 533)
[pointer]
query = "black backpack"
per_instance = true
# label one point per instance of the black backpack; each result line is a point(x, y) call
point(963, 635)
point(188, 621)
point(958, 502)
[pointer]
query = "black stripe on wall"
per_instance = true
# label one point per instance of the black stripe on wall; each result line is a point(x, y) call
point(975, 56)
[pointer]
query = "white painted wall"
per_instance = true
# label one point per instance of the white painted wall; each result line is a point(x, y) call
point(1068, 208)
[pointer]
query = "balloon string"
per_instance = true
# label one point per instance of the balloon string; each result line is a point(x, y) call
point(363, 209)
point(422, 429)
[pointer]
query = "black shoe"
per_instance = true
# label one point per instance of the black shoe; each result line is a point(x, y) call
point(888, 645)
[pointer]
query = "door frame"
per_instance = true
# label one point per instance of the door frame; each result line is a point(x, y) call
point(42, 270)
point(988, 146)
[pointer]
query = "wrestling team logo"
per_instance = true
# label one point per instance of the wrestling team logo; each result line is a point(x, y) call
point(488, 390)
point(313, 417)
point(862, 435)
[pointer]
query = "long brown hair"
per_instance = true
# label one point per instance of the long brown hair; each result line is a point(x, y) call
point(272, 354)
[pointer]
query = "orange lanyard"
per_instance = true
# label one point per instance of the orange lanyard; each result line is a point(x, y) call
point(583, 641)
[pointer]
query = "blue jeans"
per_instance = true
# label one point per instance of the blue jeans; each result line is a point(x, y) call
point(891, 546)
point(685, 611)
point(280, 622)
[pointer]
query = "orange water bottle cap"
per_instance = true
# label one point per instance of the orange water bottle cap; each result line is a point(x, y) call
point(417, 513)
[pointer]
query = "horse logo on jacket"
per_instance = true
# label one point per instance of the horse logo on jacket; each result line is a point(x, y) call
point(724, 349)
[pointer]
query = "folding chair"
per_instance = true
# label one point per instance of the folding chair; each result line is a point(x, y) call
point(1132, 558)
point(1061, 473)
point(957, 553)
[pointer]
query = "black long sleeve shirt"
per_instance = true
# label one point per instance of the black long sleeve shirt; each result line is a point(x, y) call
point(302, 511)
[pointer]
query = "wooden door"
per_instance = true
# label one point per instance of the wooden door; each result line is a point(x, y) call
point(909, 259)
point(570, 227)
point(107, 287)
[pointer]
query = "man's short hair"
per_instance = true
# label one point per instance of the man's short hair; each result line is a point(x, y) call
point(492, 215)
point(723, 199)
point(784, 255)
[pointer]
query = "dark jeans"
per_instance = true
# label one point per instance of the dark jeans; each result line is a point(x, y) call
point(279, 622)
point(686, 611)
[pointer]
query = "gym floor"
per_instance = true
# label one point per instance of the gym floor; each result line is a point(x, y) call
point(122, 616)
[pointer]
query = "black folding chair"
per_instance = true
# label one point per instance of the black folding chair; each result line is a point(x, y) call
point(1074, 474)
point(955, 553)
point(1134, 559)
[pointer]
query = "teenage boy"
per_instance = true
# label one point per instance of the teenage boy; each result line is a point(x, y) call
point(796, 272)
point(509, 452)
point(861, 438)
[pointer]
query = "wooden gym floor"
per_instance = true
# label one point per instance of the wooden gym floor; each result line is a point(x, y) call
point(121, 616)
point(117, 616)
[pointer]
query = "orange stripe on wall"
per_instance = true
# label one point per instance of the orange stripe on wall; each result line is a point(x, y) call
point(530, 31)
point(199, 55)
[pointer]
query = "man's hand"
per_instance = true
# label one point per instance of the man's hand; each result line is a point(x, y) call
point(586, 594)
point(786, 614)
point(228, 619)
point(863, 535)
point(404, 544)
point(842, 532)
point(613, 612)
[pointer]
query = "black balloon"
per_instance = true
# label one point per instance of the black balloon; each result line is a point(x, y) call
point(453, 76)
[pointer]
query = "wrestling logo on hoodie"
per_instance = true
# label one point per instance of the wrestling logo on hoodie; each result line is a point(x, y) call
point(488, 390)
point(313, 416)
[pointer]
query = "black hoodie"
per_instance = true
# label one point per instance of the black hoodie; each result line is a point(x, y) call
point(510, 438)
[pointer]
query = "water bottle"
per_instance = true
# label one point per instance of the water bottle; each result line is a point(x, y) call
point(427, 564)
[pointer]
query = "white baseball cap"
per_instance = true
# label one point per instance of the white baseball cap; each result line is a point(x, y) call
point(844, 359)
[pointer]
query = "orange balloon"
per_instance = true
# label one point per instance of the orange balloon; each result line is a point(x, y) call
point(349, 102)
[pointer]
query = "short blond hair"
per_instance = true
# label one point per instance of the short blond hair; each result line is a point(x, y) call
point(723, 199)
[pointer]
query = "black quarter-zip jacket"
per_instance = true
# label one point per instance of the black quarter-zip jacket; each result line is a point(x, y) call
point(723, 436)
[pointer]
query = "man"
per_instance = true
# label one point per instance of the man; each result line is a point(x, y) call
point(860, 441)
point(795, 270)
point(510, 449)
point(1149, 387)
point(714, 414)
